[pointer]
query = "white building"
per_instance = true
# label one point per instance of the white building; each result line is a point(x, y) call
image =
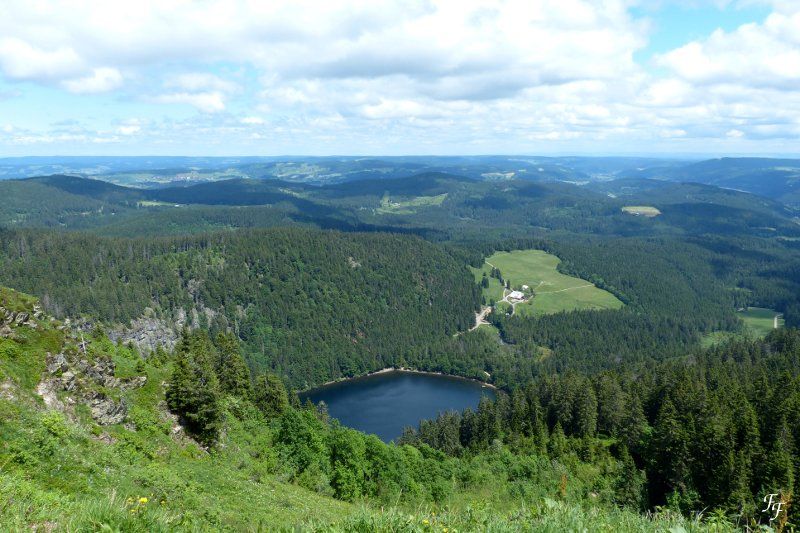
point(516, 295)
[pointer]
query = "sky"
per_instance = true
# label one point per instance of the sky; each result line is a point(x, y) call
point(386, 77)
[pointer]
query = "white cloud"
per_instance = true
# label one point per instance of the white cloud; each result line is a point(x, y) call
point(201, 81)
point(755, 55)
point(20, 60)
point(130, 127)
point(101, 80)
point(447, 73)
point(208, 102)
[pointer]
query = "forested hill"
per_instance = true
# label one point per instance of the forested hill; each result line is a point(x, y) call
point(309, 304)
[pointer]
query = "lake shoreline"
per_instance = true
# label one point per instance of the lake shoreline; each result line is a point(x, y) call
point(390, 369)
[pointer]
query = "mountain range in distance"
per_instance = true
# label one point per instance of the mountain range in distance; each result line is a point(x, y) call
point(777, 179)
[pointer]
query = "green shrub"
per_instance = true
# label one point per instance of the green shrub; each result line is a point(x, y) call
point(55, 424)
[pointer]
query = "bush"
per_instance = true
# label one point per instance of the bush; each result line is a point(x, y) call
point(55, 424)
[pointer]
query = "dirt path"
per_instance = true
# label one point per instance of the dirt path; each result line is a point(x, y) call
point(567, 289)
point(480, 318)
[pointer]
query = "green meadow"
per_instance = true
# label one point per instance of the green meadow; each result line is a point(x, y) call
point(642, 210)
point(407, 207)
point(758, 322)
point(553, 291)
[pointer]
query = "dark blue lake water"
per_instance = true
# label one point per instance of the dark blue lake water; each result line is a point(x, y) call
point(384, 404)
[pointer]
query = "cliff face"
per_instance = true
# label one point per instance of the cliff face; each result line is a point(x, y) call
point(150, 331)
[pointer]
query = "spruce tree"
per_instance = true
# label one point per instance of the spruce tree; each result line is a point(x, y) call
point(234, 375)
point(270, 395)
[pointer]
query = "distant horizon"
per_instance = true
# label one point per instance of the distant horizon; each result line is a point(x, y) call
point(622, 155)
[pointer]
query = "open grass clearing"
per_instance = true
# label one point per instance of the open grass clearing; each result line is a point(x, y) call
point(406, 207)
point(641, 210)
point(758, 323)
point(553, 291)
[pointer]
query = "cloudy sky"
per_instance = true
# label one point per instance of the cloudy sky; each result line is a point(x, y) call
point(270, 77)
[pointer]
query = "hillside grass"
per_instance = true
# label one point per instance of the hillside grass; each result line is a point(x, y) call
point(65, 473)
point(554, 291)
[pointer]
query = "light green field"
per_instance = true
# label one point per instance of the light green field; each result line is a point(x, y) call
point(407, 207)
point(758, 322)
point(643, 210)
point(554, 291)
point(154, 203)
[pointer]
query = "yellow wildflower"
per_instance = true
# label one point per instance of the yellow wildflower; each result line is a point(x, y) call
point(425, 522)
point(142, 500)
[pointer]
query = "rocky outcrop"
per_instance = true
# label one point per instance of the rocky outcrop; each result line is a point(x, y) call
point(76, 374)
point(9, 320)
point(148, 332)
point(86, 381)
point(106, 411)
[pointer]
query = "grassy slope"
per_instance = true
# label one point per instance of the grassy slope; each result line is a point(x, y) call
point(555, 291)
point(65, 473)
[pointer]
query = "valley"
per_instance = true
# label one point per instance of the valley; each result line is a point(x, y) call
point(264, 287)
point(400, 267)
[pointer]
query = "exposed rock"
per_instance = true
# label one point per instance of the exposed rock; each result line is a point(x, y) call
point(106, 411)
point(105, 438)
point(7, 390)
point(68, 381)
point(147, 333)
point(56, 363)
point(84, 377)
point(9, 319)
point(133, 383)
point(47, 390)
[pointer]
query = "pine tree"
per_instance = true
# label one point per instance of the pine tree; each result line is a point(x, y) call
point(630, 482)
point(193, 391)
point(584, 418)
point(234, 375)
point(670, 455)
point(557, 444)
point(270, 395)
